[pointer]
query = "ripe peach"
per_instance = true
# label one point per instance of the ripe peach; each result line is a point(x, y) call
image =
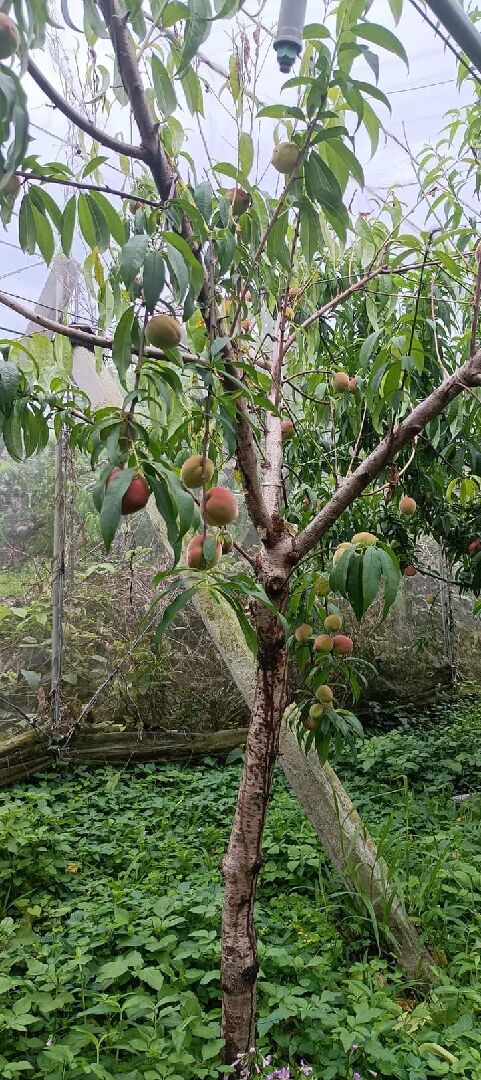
point(474, 546)
point(137, 494)
point(332, 622)
point(323, 643)
point(13, 185)
point(342, 645)
point(239, 200)
point(324, 694)
point(9, 36)
point(302, 633)
point(340, 382)
point(407, 506)
point(306, 502)
point(352, 384)
point(163, 331)
point(195, 553)
point(310, 723)
point(410, 571)
point(220, 506)
point(191, 471)
point(287, 430)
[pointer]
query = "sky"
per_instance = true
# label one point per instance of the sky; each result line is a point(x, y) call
point(419, 98)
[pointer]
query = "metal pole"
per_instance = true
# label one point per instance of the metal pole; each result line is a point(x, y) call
point(454, 19)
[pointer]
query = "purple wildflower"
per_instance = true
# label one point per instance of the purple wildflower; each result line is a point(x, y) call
point(356, 1076)
point(266, 1060)
point(353, 1047)
point(305, 1069)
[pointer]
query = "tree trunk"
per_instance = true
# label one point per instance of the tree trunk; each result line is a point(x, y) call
point(242, 861)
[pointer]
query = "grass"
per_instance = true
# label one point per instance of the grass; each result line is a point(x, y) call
point(111, 897)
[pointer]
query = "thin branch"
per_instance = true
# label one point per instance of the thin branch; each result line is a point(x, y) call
point(166, 181)
point(385, 452)
point(82, 337)
point(104, 188)
point(80, 121)
point(336, 300)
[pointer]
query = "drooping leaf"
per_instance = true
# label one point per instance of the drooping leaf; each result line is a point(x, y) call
point(68, 224)
point(132, 257)
point(9, 382)
point(163, 88)
point(383, 37)
point(43, 235)
point(194, 269)
point(173, 609)
point(153, 278)
point(197, 30)
point(246, 153)
point(112, 217)
point(122, 344)
point(371, 576)
point(391, 576)
point(111, 511)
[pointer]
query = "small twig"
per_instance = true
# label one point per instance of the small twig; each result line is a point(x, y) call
point(105, 188)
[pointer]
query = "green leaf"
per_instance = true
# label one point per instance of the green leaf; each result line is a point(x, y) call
point(379, 35)
point(246, 153)
point(43, 235)
point(153, 278)
point(311, 238)
point(122, 344)
point(203, 196)
point(9, 382)
point(132, 257)
point(276, 246)
point(96, 161)
point(163, 88)
point(168, 510)
point(87, 227)
point(354, 585)
point(371, 576)
point(391, 576)
point(101, 229)
point(173, 609)
point(112, 217)
point(396, 9)
point(192, 88)
point(111, 511)
point(281, 112)
point(247, 630)
point(338, 575)
point(68, 224)
point(26, 226)
point(195, 271)
point(44, 202)
point(368, 346)
point(152, 976)
point(315, 31)
point(197, 30)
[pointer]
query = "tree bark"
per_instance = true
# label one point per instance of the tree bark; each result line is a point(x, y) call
point(241, 864)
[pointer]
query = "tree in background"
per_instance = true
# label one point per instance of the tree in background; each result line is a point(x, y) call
point(333, 361)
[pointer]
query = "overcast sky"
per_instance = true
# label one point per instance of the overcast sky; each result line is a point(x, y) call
point(419, 99)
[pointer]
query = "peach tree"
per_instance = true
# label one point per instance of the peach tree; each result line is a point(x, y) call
point(255, 324)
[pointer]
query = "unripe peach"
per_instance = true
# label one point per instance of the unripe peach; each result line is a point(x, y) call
point(316, 711)
point(287, 430)
point(364, 539)
point(324, 694)
point(340, 382)
point(163, 331)
point(285, 157)
point(191, 471)
point(339, 552)
point(407, 506)
point(323, 643)
point(137, 494)
point(220, 506)
point(306, 503)
point(332, 622)
point(302, 633)
point(310, 723)
point(410, 571)
point(293, 292)
point(239, 200)
point(430, 599)
point(342, 645)
point(9, 36)
point(352, 384)
point(289, 313)
point(322, 586)
point(195, 554)
point(474, 546)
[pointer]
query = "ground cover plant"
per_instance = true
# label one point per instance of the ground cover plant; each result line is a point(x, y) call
point(111, 901)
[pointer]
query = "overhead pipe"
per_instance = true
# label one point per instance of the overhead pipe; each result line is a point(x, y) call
point(289, 38)
point(454, 18)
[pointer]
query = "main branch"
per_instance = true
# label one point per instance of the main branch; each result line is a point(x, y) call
point(351, 487)
point(166, 181)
